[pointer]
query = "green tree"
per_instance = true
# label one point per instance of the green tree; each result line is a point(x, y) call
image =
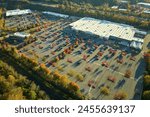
point(120, 95)
point(147, 82)
point(32, 95)
point(146, 95)
point(15, 94)
point(79, 77)
point(105, 90)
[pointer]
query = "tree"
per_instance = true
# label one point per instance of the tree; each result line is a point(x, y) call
point(45, 69)
point(11, 79)
point(64, 80)
point(32, 95)
point(146, 95)
point(128, 73)
point(79, 77)
point(60, 68)
point(56, 75)
point(147, 82)
point(15, 94)
point(33, 86)
point(73, 87)
point(4, 87)
point(105, 91)
point(71, 73)
point(121, 95)
point(42, 95)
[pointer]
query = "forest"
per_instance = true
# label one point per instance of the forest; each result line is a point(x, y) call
point(85, 9)
point(23, 78)
point(93, 2)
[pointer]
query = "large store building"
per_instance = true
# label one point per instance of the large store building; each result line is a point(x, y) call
point(123, 34)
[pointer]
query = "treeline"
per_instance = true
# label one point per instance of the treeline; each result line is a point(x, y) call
point(14, 86)
point(146, 82)
point(55, 85)
point(93, 2)
point(105, 13)
point(101, 12)
point(1, 19)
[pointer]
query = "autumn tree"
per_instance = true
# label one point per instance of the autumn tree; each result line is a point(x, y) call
point(120, 95)
point(73, 87)
point(64, 80)
point(128, 73)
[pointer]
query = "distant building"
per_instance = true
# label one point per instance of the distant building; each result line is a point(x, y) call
point(144, 5)
point(123, 5)
point(114, 7)
point(122, 9)
point(110, 31)
point(146, 11)
point(56, 14)
point(124, 2)
point(21, 34)
point(17, 12)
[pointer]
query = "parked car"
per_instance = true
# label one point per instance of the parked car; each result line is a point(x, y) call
point(111, 78)
point(69, 60)
point(105, 63)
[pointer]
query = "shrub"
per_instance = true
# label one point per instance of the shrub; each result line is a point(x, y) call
point(128, 73)
point(73, 87)
point(105, 91)
point(120, 95)
point(146, 95)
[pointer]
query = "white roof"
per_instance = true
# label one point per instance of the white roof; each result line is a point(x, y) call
point(144, 3)
point(105, 28)
point(147, 11)
point(21, 34)
point(17, 12)
point(122, 9)
point(114, 7)
point(56, 14)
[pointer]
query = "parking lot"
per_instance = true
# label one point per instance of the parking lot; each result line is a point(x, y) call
point(87, 60)
point(23, 22)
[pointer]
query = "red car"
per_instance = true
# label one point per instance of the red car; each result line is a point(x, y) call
point(132, 58)
point(69, 60)
point(84, 57)
point(112, 79)
point(105, 63)
point(100, 53)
